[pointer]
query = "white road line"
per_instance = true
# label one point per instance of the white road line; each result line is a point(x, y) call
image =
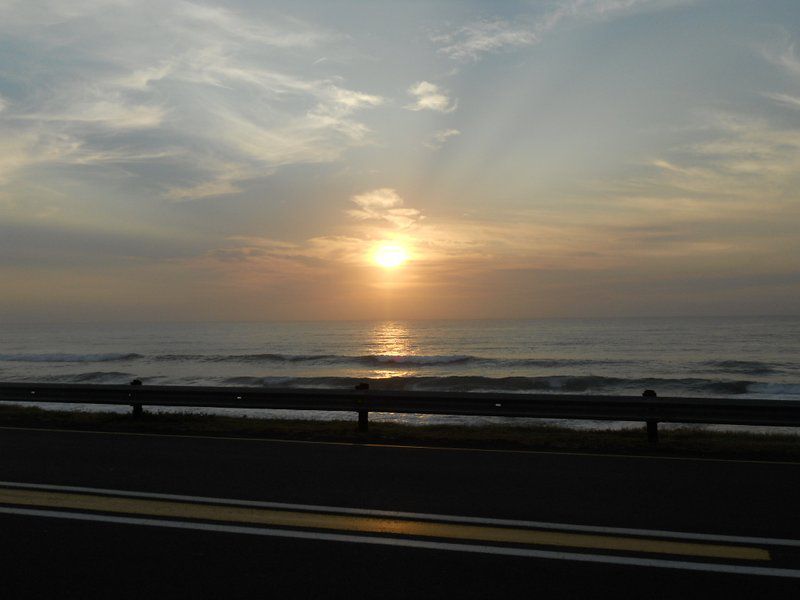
point(413, 515)
point(408, 543)
point(411, 447)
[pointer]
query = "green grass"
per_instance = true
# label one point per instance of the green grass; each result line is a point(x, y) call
point(689, 441)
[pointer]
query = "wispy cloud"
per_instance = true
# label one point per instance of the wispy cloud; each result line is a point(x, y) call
point(785, 99)
point(743, 168)
point(439, 138)
point(481, 37)
point(429, 96)
point(216, 94)
point(290, 33)
point(471, 41)
point(782, 51)
point(384, 204)
point(222, 185)
point(106, 111)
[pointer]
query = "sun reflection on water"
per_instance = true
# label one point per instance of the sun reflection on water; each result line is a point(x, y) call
point(383, 373)
point(391, 340)
point(391, 344)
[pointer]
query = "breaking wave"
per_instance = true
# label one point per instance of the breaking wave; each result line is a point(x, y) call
point(565, 384)
point(115, 377)
point(69, 358)
point(382, 360)
point(378, 361)
point(782, 389)
point(554, 384)
point(746, 367)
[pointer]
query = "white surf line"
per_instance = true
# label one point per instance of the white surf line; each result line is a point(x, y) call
point(370, 512)
point(409, 446)
point(410, 543)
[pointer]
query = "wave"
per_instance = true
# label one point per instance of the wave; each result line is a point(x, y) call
point(552, 363)
point(116, 377)
point(782, 389)
point(326, 359)
point(746, 367)
point(368, 360)
point(244, 358)
point(567, 384)
point(554, 384)
point(68, 358)
point(413, 361)
point(416, 360)
point(387, 360)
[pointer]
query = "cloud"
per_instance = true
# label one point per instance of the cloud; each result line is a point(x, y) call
point(30, 245)
point(751, 153)
point(471, 41)
point(311, 258)
point(384, 204)
point(481, 37)
point(785, 99)
point(215, 95)
point(782, 51)
point(736, 184)
point(108, 112)
point(221, 186)
point(272, 256)
point(354, 100)
point(291, 33)
point(429, 96)
point(439, 138)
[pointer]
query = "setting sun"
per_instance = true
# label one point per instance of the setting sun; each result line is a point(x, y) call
point(390, 256)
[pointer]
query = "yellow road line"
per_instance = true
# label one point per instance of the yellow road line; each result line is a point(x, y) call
point(359, 524)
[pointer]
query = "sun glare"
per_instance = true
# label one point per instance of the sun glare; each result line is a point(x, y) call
point(390, 256)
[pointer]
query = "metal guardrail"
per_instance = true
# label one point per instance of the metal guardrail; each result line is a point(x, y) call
point(649, 408)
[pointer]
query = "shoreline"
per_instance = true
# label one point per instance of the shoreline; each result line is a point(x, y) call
point(688, 441)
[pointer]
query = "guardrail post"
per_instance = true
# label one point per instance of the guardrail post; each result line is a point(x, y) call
point(652, 425)
point(137, 408)
point(363, 420)
point(363, 414)
point(652, 432)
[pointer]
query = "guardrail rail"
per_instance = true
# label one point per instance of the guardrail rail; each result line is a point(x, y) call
point(649, 408)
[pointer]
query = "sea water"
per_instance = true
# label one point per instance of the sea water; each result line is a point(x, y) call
point(736, 357)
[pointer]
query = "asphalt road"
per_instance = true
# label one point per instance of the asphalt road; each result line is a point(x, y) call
point(65, 535)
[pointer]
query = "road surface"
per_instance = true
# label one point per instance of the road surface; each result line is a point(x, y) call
point(127, 515)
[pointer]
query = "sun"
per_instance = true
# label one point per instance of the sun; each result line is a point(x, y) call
point(390, 256)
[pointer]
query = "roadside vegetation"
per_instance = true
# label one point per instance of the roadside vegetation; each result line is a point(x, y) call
point(688, 441)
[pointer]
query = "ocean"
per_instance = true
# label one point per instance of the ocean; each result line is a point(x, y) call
point(736, 357)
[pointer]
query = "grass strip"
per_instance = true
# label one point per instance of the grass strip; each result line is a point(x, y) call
point(689, 441)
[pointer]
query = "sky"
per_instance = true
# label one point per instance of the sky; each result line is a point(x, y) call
point(244, 160)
